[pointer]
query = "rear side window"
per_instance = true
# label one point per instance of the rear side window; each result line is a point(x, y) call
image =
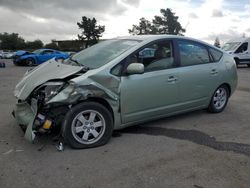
point(192, 53)
point(216, 54)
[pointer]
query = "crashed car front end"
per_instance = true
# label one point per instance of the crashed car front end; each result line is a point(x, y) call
point(43, 107)
point(37, 113)
point(19, 58)
point(33, 94)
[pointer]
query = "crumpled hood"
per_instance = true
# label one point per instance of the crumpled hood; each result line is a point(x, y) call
point(50, 70)
point(22, 52)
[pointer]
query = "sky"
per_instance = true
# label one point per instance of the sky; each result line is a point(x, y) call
point(56, 19)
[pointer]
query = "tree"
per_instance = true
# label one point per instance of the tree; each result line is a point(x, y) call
point(52, 45)
point(217, 42)
point(91, 32)
point(145, 27)
point(36, 44)
point(168, 23)
point(11, 41)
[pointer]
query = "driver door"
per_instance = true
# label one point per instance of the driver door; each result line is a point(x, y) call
point(155, 92)
point(46, 55)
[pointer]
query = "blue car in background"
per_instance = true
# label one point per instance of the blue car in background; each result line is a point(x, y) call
point(37, 57)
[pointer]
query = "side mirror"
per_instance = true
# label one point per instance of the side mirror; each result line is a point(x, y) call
point(135, 68)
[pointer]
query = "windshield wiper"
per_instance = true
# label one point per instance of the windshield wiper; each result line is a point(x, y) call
point(79, 64)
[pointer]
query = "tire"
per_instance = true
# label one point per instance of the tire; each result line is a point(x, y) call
point(30, 62)
point(237, 61)
point(94, 122)
point(248, 65)
point(219, 99)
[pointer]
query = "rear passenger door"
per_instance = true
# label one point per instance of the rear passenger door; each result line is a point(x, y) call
point(198, 76)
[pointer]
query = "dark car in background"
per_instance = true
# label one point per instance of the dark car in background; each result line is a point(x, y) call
point(37, 57)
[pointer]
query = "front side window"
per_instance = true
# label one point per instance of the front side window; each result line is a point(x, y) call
point(192, 53)
point(47, 52)
point(242, 48)
point(38, 51)
point(156, 56)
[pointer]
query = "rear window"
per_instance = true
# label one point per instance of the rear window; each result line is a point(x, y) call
point(216, 54)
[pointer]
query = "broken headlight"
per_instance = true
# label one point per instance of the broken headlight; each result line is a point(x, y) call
point(51, 89)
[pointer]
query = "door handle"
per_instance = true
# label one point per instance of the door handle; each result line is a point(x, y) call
point(214, 71)
point(172, 79)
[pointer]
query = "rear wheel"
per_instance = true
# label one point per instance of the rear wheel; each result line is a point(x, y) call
point(219, 100)
point(87, 125)
point(30, 62)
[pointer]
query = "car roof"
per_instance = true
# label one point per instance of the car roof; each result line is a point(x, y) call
point(46, 49)
point(158, 37)
point(239, 40)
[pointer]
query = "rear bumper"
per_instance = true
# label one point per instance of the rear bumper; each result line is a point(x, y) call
point(25, 115)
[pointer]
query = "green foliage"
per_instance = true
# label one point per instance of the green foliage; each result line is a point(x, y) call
point(217, 42)
point(91, 32)
point(145, 27)
point(36, 44)
point(166, 24)
point(52, 45)
point(11, 41)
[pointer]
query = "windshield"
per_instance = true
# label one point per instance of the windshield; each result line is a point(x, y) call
point(103, 52)
point(230, 46)
point(37, 51)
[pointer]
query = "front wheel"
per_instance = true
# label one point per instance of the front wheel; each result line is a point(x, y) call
point(30, 62)
point(87, 125)
point(219, 100)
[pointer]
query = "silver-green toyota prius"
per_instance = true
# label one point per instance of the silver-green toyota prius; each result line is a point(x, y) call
point(122, 82)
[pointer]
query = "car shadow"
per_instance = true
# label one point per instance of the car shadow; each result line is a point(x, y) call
point(193, 136)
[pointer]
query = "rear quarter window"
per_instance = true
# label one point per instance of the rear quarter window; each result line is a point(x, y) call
point(216, 54)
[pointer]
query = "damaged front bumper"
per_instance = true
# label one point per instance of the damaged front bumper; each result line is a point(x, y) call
point(25, 114)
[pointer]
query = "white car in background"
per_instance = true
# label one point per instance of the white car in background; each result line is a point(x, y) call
point(1, 54)
point(6, 54)
point(239, 48)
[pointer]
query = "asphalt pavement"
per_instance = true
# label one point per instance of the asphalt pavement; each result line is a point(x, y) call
point(196, 150)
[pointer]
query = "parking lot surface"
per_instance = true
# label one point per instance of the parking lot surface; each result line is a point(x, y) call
point(197, 149)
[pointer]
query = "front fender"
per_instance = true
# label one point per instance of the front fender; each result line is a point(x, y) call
point(28, 56)
point(73, 94)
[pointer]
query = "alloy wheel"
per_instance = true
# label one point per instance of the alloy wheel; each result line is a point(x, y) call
point(220, 98)
point(88, 127)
